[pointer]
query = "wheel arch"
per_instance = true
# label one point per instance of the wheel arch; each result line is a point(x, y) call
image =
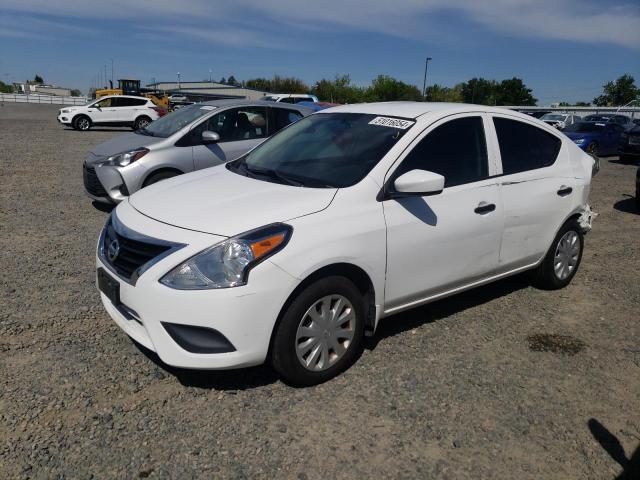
point(78, 115)
point(356, 274)
point(159, 169)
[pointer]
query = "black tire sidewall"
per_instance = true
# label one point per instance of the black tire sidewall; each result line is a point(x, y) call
point(283, 354)
point(136, 124)
point(547, 278)
point(77, 120)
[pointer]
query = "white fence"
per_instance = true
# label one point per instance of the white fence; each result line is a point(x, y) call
point(45, 99)
point(633, 112)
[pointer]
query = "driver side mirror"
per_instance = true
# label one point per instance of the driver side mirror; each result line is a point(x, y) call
point(210, 137)
point(418, 183)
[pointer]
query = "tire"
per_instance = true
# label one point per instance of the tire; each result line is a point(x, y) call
point(141, 122)
point(159, 176)
point(547, 276)
point(306, 360)
point(592, 148)
point(82, 123)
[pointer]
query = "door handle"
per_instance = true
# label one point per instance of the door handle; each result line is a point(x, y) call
point(484, 207)
point(564, 191)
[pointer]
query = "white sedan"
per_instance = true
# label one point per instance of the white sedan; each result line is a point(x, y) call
point(295, 251)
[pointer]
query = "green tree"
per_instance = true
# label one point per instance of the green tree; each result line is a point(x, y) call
point(339, 90)
point(76, 93)
point(232, 81)
point(5, 88)
point(38, 79)
point(223, 81)
point(439, 93)
point(387, 89)
point(514, 92)
point(618, 93)
point(479, 91)
point(277, 84)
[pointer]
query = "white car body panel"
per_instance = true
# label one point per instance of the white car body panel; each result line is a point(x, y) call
point(413, 250)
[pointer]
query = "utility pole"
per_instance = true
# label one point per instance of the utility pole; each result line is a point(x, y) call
point(112, 70)
point(424, 83)
point(179, 81)
point(210, 77)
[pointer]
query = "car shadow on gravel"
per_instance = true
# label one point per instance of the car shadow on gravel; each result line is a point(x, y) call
point(228, 380)
point(440, 309)
point(628, 205)
point(608, 441)
point(103, 207)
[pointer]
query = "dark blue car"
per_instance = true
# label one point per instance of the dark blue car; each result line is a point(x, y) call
point(596, 137)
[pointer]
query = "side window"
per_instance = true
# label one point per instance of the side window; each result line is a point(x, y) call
point(524, 147)
point(104, 103)
point(283, 117)
point(302, 99)
point(288, 100)
point(233, 125)
point(457, 150)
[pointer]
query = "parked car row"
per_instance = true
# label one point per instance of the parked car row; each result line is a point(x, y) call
point(296, 248)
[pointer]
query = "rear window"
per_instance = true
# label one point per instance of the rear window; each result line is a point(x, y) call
point(524, 147)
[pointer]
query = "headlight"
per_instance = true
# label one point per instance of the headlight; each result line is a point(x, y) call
point(65, 110)
point(579, 141)
point(228, 263)
point(125, 158)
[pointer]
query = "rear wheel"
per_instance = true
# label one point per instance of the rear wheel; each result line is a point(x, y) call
point(82, 123)
point(320, 333)
point(563, 258)
point(141, 122)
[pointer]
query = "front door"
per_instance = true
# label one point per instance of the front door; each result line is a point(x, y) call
point(240, 130)
point(440, 242)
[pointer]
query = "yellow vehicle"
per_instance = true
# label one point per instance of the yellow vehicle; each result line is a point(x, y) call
point(129, 86)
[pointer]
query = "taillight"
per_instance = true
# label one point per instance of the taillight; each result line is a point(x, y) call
point(161, 111)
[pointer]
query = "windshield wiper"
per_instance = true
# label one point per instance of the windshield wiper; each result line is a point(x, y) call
point(273, 174)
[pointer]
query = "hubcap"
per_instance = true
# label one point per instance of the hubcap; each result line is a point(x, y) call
point(325, 332)
point(566, 257)
point(142, 123)
point(83, 124)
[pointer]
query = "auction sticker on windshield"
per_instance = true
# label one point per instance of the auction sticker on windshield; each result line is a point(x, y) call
point(391, 122)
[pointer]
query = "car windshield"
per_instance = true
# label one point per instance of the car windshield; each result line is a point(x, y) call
point(324, 150)
point(584, 127)
point(551, 116)
point(169, 124)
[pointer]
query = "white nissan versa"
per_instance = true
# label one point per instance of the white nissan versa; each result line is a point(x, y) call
point(294, 251)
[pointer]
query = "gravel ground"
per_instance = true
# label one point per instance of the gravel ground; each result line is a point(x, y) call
point(505, 381)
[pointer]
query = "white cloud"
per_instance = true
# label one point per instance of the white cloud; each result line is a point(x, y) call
point(586, 21)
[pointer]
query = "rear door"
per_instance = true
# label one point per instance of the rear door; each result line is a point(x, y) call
point(240, 130)
point(440, 242)
point(536, 186)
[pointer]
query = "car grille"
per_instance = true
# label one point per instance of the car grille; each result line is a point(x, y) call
point(131, 254)
point(92, 183)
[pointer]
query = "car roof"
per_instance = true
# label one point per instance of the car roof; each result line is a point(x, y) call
point(416, 109)
point(255, 103)
point(124, 96)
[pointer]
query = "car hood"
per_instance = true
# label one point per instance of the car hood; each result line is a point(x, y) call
point(578, 135)
point(221, 202)
point(124, 143)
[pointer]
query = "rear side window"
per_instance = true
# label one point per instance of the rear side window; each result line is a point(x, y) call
point(457, 150)
point(127, 102)
point(524, 147)
point(283, 117)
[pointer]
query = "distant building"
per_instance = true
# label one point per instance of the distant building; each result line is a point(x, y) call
point(31, 88)
point(208, 90)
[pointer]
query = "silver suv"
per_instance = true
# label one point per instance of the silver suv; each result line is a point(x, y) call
point(191, 138)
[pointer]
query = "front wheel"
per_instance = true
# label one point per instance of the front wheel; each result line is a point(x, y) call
point(563, 258)
point(320, 333)
point(82, 123)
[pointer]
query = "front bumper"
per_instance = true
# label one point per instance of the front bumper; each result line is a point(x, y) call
point(64, 118)
point(107, 183)
point(245, 315)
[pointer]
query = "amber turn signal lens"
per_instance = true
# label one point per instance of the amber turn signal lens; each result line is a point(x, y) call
point(264, 246)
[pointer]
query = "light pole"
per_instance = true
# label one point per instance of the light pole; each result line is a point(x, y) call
point(210, 77)
point(112, 71)
point(178, 80)
point(424, 83)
